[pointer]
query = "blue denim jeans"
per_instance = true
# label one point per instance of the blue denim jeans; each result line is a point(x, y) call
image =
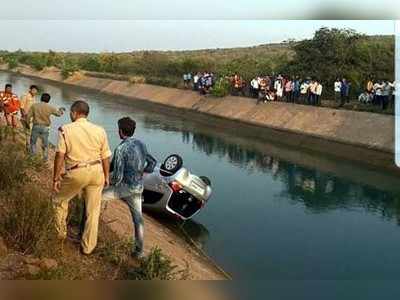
point(132, 197)
point(42, 132)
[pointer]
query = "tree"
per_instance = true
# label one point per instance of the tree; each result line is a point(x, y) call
point(333, 53)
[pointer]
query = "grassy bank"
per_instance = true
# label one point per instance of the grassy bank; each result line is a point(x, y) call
point(30, 249)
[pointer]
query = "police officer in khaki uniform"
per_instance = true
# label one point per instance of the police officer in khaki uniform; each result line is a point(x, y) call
point(83, 148)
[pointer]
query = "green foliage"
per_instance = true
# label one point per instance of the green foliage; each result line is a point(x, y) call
point(90, 63)
point(26, 218)
point(12, 62)
point(164, 81)
point(68, 68)
point(157, 266)
point(59, 273)
point(26, 213)
point(333, 53)
point(39, 61)
point(14, 165)
point(189, 65)
point(221, 88)
point(329, 54)
point(54, 59)
point(114, 250)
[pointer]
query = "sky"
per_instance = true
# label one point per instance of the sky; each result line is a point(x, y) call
point(195, 9)
point(129, 35)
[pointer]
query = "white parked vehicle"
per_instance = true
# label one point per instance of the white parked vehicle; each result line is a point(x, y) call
point(170, 188)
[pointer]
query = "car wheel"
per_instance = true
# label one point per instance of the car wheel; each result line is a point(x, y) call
point(172, 164)
point(206, 180)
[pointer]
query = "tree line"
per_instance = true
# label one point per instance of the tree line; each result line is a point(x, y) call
point(330, 54)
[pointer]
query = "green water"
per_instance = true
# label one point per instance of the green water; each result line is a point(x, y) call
point(276, 213)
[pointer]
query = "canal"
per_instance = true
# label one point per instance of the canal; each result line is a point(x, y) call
point(276, 212)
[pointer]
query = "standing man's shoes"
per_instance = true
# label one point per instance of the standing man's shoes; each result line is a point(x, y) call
point(137, 255)
point(84, 253)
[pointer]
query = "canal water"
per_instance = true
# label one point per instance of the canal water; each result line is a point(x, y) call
point(276, 213)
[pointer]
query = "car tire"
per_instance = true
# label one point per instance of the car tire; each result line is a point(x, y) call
point(172, 164)
point(206, 180)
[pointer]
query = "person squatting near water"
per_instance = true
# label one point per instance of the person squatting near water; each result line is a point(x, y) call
point(84, 151)
point(127, 167)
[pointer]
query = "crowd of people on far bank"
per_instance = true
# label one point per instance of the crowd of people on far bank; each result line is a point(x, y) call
point(202, 82)
point(294, 89)
point(283, 88)
point(82, 161)
point(380, 92)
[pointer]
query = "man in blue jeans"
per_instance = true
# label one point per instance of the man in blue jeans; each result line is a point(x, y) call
point(40, 114)
point(127, 166)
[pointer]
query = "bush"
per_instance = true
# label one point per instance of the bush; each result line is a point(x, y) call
point(157, 266)
point(12, 63)
point(221, 88)
point(14, 165)
point(38, 61)
point(26, 213)
point(68, 69)
point(114, 250)
point(164, 81)
point(26, 218)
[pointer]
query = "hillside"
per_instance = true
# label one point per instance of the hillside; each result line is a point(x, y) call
point(330, 53)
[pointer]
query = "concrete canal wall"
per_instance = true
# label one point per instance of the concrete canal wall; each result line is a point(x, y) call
point(362, 136)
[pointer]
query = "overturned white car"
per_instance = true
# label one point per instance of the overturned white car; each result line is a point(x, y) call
point(170, 188)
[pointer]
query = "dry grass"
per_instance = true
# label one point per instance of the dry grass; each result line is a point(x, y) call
point(27, 224)
point(157, 266)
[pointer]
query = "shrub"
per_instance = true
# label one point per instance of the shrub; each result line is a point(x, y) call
point(38, 61)
point(114, 250)
point(15, 165)
point(157, 266)
point(164, 81)
point(26, 218)
point(26, 214)
point(12, 63)
point(221, 88)
point(68, 69)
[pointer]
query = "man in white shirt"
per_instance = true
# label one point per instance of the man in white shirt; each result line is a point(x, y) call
point(254, 87)
point(279, 89)
point(303, 91)
point(318, 93)
point(196, 81)
point(313, 92)
point(337, 88)
point(185, 80)
point(392, 93)
point(378, 89)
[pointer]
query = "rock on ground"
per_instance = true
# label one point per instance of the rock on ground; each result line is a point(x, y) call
point(48, 264)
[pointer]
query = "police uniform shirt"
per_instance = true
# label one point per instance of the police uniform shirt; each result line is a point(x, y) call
point(82, 142)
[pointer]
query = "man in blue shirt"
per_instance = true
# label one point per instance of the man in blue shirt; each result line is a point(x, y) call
point(296, 90)
point(127, 165)
point(344, 92)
